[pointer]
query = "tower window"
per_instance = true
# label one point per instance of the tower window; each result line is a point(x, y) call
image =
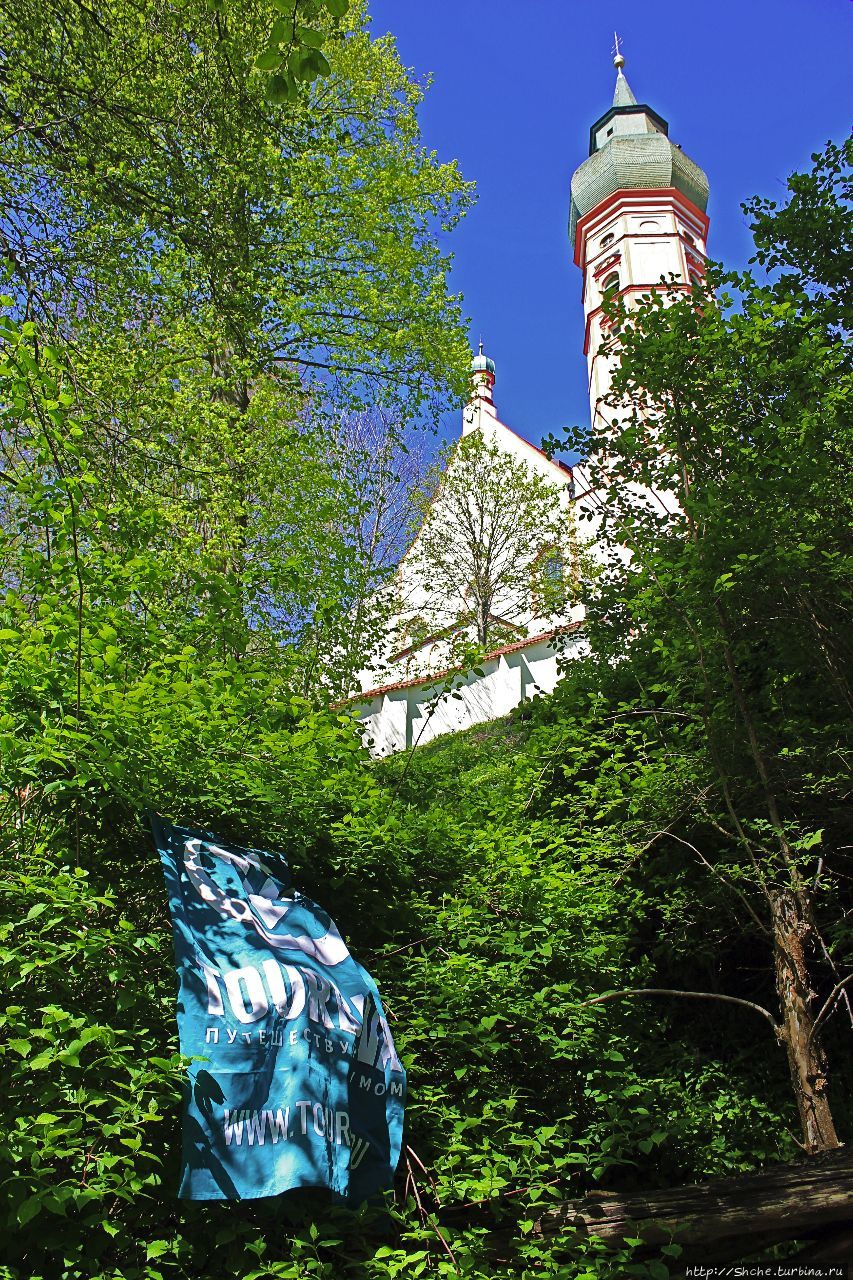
point(606, 240)
point(688, 237)
point(612, 282)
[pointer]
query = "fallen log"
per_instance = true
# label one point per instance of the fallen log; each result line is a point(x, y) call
point(721, 1220)
point(828, 1246)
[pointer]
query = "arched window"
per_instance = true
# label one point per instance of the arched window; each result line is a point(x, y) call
point(551, 581)
point(688, 237)
point(606, 240)
point(611, 283)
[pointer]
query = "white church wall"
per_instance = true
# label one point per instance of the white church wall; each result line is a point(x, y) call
point(639, 254)
point(651, 259)
point(408, 653)
point(400, 716)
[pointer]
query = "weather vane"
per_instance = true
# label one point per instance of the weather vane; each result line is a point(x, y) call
point(619, 60)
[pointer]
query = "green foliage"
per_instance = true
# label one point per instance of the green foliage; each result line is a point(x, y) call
point(190, 286)
point(810, 239)
point(177, 211)
point(177, 573)
point(293, 47)
point(723, 461)
point(519, 1095)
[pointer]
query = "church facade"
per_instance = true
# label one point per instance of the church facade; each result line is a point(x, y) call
point(638, 218)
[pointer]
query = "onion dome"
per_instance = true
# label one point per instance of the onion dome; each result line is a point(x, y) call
point(482, 364)
point(629, 149)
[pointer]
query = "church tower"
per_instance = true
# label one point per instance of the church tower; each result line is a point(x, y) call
point(481, 405)
point(637, 214)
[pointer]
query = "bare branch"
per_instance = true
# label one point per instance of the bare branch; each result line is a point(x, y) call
point(723, 880)
point(825, 1009)
point(686, 995)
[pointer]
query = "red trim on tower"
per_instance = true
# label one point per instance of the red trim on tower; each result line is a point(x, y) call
point(613, 261)
point(629, 288)
point(635, 195)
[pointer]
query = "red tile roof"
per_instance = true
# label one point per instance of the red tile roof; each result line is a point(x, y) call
point(517, 645)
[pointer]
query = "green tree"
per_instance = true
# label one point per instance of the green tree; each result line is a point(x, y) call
point(140, 140)
point(191, 270)
point(496, 547)
point(293, 48)
point(733, 612)
point(210, 266)
point(383, 466)
point(808, 242)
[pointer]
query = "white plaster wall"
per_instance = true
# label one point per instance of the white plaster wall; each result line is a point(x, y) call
point(401, 718)
point(395, 663)
point(679, 230)
point(644, 255)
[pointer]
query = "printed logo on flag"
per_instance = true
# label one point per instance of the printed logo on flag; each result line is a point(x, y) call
point(301, 1084)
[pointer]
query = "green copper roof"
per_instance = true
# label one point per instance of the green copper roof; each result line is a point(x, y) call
point(630, 150)
point(482, 363)
point(633, 162)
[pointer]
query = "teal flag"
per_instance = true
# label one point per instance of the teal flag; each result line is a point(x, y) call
point(296, 1082)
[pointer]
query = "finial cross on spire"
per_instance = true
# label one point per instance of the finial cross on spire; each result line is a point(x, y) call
point(618, 60)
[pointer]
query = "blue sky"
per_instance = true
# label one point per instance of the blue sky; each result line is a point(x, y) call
point(750, 90)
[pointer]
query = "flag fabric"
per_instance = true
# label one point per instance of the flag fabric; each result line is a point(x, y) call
point(295, 1081)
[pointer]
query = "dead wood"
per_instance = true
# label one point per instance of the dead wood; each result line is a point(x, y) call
point(723, 1219)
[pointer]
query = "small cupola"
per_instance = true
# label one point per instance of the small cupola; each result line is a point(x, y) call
point(482, 376)
point(480, 406)
point(483, 364)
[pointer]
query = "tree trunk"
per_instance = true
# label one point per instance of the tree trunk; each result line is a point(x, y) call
point(482, 623)
point(790, 910)
point(234, 394)
point(806, 1058)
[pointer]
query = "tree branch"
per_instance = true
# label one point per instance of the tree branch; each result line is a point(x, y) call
point(689, 995)
point(821, 1017)
point(723, 880)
